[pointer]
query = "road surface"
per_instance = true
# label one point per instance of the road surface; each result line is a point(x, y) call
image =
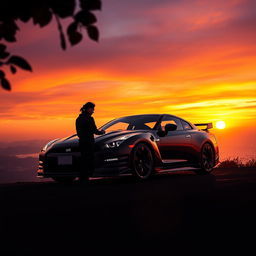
point(171, 213)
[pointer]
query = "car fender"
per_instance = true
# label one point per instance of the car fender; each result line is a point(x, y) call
point(206, 137)
point(148, 139)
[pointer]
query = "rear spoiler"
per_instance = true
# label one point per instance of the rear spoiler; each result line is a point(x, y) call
point(208, 126)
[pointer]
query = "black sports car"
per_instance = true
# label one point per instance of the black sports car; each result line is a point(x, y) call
point(139, 144)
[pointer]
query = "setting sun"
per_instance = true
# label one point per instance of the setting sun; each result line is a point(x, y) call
point(220, 125)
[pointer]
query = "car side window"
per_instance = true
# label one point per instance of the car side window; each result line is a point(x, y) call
point(171, 120)
point(186, 126)
point(118, 126)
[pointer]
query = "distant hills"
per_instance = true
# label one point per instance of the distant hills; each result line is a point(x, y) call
point(16, 169)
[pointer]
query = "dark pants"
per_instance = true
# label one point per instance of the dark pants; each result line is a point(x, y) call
point(86, 167)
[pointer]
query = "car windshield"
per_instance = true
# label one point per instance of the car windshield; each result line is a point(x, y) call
point(140, 122)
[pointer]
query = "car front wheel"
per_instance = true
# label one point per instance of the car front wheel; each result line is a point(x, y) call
point(142, 161)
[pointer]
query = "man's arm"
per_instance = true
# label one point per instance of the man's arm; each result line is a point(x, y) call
point(95, 130)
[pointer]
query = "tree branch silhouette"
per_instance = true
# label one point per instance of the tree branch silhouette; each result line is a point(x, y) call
point(41, 12)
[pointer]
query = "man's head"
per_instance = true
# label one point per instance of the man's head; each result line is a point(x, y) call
point(88, 108)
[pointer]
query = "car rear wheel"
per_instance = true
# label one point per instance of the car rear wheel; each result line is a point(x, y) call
point(206, 159)
point(142, 161)
point(64, 180)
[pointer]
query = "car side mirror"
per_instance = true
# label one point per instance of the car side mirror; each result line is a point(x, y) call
point(170, 127)
point(167, 128)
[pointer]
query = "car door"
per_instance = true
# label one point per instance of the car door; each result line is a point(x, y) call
point(173, 146)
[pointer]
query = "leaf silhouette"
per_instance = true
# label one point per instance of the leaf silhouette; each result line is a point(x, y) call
point(93, 33)
point(20, 62)
point(90, 4)
point(25, 16)
point(2, 74)
point(63, 8)
point(72, 27)
point(2, 47)
point(43, 17)
point(13, 69)
point(85, 17)
point(41, 13)
point(4, 55)
point(8, 30)
point(73, 35)
point(9, 38)
point(5, 84)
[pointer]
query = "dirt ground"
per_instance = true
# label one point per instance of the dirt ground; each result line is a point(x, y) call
point(173, 213)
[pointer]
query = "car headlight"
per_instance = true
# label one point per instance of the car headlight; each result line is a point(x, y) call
point(48, 145)
point(113, 144)
point(116, 143)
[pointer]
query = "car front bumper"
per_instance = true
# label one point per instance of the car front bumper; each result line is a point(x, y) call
point(106, 164)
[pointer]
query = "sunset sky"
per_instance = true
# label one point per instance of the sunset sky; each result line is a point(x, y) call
point(192, 58)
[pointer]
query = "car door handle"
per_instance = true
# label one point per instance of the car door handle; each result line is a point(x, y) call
point(188, 136)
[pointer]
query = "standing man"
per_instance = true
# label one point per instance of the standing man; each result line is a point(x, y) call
point(86, 128)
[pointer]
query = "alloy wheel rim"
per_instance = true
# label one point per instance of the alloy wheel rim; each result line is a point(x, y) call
point(143, 161)
point(207, 157)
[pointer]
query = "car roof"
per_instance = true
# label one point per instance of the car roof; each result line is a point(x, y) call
point(151, 115)
point(160, 115)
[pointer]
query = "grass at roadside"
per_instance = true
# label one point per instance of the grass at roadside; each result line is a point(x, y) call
point(237, 163)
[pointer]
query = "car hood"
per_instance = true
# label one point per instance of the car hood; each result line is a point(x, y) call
point(115, 135)
point(111, 136)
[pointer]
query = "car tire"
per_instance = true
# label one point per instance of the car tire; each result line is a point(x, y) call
point(142, 161)
point(64, 180)
point(207, 156)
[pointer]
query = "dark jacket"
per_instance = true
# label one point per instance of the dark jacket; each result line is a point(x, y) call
point(86, 128)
